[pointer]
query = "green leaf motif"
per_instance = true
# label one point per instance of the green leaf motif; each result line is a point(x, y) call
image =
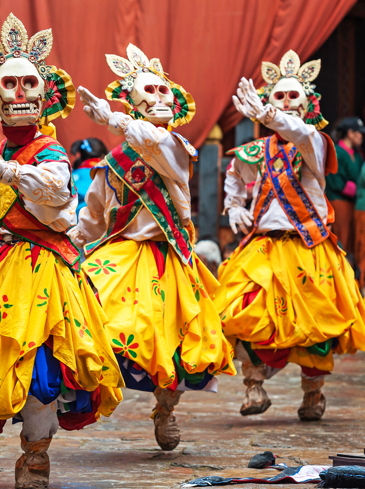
point(7, 306)
point(130, 339)
point(36, 270)
point(104, 368)
point(116, 342)
point(78, 324)
point(132, 353)
point(88, 332)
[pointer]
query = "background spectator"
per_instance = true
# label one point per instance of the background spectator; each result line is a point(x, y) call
point(209, 253)
point(341, 187)
point(89, 152)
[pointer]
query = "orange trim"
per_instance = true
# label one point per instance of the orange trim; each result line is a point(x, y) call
point(331, 161)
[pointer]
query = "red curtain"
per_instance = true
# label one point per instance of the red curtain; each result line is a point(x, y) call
point(205, 46)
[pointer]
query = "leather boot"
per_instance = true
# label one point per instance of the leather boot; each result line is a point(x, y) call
point(256, 400)
point(33, 467)
point(167, 432)
point(314, 402)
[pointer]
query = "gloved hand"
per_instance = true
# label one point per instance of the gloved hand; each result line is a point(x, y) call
point(247, 102)
point(96, 108)
point(9, 174)
point(241, 217)
point(118, 123)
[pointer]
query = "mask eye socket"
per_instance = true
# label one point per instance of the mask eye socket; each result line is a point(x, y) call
point(30, 82)
point(279, 95)
point(163, 89)
point(9, 82)
point(150, 89)
point(293, 94)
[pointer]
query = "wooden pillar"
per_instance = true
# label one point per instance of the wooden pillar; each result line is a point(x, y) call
point(209, 177)
point(346, 68)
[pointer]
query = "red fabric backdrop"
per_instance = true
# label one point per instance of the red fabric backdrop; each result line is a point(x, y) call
point(205, 46)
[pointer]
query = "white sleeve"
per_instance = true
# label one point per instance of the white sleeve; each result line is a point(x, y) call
point(91, 225)
point(160, 149)
point(238, 175)
point(46, 184)
point(45, 191)
point(310, 143)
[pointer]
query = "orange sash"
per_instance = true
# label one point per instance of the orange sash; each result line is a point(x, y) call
point(23, 224)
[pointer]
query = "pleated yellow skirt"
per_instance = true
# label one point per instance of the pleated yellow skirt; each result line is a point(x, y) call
point(304, 298)
point(49, 300)
point(150, 315)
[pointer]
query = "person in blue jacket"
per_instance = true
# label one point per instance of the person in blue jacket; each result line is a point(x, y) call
point(90, 151)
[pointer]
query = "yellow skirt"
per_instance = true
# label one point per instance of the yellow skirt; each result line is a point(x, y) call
point(305, 297)
point(151, 315)
point(49, 300)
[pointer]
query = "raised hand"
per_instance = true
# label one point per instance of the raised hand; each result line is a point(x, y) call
point(247, 102)
point(96, 108)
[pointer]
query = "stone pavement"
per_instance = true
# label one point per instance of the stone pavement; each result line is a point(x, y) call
point(121, 453)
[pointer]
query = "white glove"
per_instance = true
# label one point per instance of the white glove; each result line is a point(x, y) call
point(9, 172)
point(247, 102)
point(242, 217)
point(118, 123)
point(96, 108)
point(77, 239)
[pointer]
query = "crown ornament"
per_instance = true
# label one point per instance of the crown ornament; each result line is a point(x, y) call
point(290, 68)
point(15, 44)
point(137, 62)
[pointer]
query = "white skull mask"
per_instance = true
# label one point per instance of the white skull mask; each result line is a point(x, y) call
point(288, 95)
point(21, 92)
point(153, 98)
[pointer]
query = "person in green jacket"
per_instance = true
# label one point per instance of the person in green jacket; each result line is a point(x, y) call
point(341, 187)
point(360, 229)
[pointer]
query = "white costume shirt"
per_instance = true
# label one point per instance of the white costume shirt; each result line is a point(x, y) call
point(44, 188)
point(313, 147)
point(162, 151)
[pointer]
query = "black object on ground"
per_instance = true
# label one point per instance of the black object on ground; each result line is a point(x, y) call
point(342, 459)
point(346, 476)
point(262, 460)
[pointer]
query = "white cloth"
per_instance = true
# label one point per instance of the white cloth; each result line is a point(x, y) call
point(39, 421)
point(313, 147)
point(161, 150)
point(45, 191)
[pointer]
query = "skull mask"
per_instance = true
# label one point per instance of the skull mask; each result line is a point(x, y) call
point(153, 98)
point(21, 92)
point(288, 95)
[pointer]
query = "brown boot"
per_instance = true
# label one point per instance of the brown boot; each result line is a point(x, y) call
point(167, 432)
point(256, 400)
point(314, 402)
point(32, 468)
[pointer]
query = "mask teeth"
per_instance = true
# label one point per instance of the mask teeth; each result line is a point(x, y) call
point(18, 109)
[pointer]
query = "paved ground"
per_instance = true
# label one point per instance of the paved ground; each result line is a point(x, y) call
point(120, 452)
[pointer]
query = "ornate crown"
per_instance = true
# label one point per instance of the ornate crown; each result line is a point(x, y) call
point(60, 92)
point(305, 74)
point(15, 44)
point(128, 70)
